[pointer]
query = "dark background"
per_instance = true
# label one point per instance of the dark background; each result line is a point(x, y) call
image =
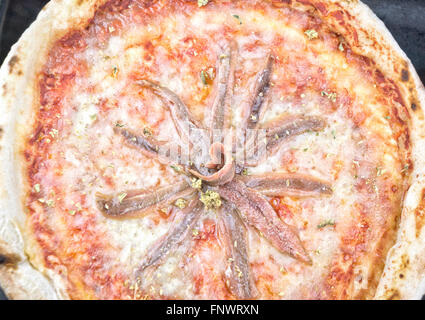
point(404, 18)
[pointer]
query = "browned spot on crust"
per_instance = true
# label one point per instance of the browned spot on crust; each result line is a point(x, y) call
point(4, 89)
point(13, 62)
point(414, 106)
point(405, 262)
point(413, 100)
point(1, 132)
point(9, 260)
point(420, 214)
point(404, 75)
point(394, 296)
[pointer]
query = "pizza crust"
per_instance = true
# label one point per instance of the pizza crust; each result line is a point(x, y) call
point(25, 278)
point(18, 83)
point(404, 273)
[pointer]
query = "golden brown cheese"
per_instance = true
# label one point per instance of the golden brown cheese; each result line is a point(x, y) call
point(88, 86)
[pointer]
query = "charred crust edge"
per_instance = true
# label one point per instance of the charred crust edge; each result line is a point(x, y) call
point(12, 63)
point(414, 106)
point(10, 260)
point(405, 75)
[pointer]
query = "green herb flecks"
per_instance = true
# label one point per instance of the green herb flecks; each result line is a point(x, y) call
point(330, 95)
point(37, 188)
point(204, 77)
point(147, 132)
point(237, 17)
point(311, 34)
point(405, 168)
point(325, 224)
point(202, 3)
point(122, 196)
point(115, 71)
point(211, 199)
point(196, 183)
point(177, 169)
point(181, 203)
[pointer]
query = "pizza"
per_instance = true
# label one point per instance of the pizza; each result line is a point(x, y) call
point(245, 149)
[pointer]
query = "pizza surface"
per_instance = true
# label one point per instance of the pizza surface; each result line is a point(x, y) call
point(211, 150)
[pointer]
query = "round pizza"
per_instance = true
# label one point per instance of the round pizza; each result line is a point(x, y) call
point(211, 149)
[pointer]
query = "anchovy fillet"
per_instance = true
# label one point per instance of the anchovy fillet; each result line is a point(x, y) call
point(283, 184)
point(189, 131)
point(220, 112)
point(223, 175)
point(177, 233)
point(281, 130)
point(258, 212)
point(240, 275)
point(254, 109)
point(141, 200)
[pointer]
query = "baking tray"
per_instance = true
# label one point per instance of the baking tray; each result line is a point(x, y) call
point(404, 18)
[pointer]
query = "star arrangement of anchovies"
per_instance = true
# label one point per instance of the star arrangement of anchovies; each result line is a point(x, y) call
point(221, 182)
